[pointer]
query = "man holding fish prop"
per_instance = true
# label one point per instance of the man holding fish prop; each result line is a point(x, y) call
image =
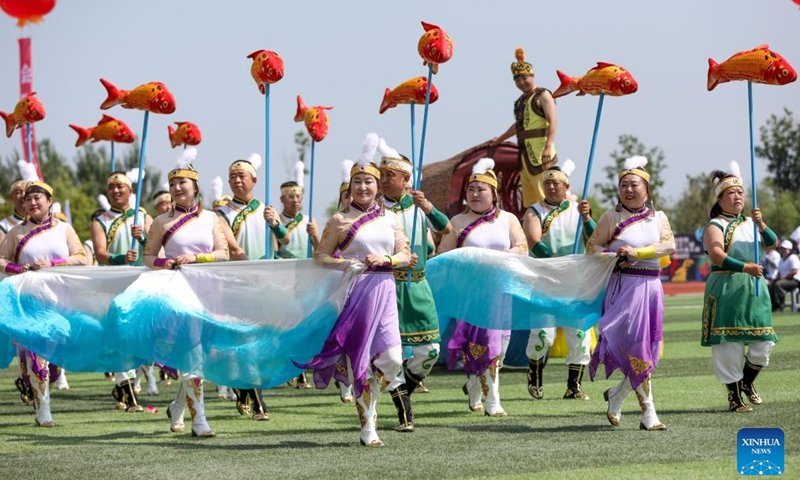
point(419, 322)
point(117, 241)
point(535, 127)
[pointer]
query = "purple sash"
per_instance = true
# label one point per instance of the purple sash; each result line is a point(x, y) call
point(192, 215)
point(46, 225)
point(635, 218)
point(371, 214)
point(489, 216)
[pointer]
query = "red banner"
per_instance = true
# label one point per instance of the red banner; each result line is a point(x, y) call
point(26, 87)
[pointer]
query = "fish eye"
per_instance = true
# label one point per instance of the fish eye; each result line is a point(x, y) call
point(164, 104)
point(433, 50)
point(627, 83)
point(785, 72)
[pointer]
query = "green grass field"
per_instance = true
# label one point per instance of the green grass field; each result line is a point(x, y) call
point(313, 435)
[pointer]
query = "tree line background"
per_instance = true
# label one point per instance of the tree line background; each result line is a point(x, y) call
point(84, 178)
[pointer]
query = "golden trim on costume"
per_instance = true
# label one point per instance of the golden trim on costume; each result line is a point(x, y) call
point(489, 178)
point(638, 365)
point(119, 178)
point(556, 175)
point(370, 169)
point(397, 164)
point(726, 183)
point(183, 173)
point(292, 190)
point(636, 171)
point(416, 275)
point(242, 166)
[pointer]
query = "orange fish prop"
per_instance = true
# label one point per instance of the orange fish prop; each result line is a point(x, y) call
point(267, 68)
point(108, 128)
point(759, 65)
point(187, 134)
point(28, 110)
point(605, 78)
point(153, 97)
point(315, 118)
point(411, 91)
point(435, 46)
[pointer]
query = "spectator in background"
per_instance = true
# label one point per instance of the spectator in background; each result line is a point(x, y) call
point(788, 277)
point(770, 264)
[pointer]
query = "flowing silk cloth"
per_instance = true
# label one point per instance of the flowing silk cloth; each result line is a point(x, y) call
point(237, 323)
point(506, 291)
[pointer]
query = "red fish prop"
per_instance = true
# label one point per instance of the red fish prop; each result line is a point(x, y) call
point(267, 68)
point(411, 91)
point(435, 46)
point(153, 97)
point(605, 78)
point(28, 110)
point(315, 118)
point(759, 65)
point(27, 11)
point(187, 134)
point(108, 128)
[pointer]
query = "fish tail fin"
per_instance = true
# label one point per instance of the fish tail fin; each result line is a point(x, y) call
point(387, 102)
point(83, 134)
point(9, 123)
point(171, 138)
point(113, 95)
point(262, 89)
point(301, 110)
point(713, 76)
point(568, 84)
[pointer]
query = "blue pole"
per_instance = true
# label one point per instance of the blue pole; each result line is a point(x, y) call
point(589, 169)
point(113, 163)
point(268, 240)
point(311, 199)
point(28, 142)
point(413, 140)
point(418, 169)
point(753, 175)
point(141, 169)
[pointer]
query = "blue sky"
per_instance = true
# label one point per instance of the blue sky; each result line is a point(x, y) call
point(346, 53)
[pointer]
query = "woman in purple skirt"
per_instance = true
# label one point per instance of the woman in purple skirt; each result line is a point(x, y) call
point(364, 348)
point(483, 225)
point(633, 308)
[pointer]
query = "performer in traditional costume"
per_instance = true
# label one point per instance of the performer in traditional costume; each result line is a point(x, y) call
point(633, 308)
point(243, 221)
point(419, 322)
point(734, 317)
point(483, 225)
point(550, 227)
point(291, 231)
point(162, 201)
point(40, 241)
point(17, 197)
point(364, 348)
point(535, 129)
point(117, 241)
point(187, 234)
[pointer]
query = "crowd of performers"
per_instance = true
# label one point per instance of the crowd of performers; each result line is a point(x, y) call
point(387, 336)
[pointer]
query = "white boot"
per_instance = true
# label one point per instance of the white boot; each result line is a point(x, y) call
point(41, 395)
point(473, 389)
point(137, 382)
point(650, 419)
point(615, 396)
point(194, 400)
point(222, 392)
point(346, 393)
point(367, 406)
point(177, 409)
point(490, 384)
point(152, 381)
point(61, 381)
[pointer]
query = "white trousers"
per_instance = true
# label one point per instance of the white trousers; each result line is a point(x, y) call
point(423, 359)
point(728, 358)
point(579, 343)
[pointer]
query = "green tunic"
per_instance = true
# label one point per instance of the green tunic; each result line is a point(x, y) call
point(419, 322)
point(731, 310)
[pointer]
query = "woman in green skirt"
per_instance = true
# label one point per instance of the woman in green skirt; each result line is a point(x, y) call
point(733, 315)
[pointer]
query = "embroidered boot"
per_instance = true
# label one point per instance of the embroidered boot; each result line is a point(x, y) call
point(473, 389)
point(366, 405)
point(535, 368)
point(575, 376)
point(41, 395)
point(650, 419)
point(260, 412)
point(152, 381)
point(128, 397)
point(176, 410)
point(490, 384)
point(751, 371)
point(194, 400)
point(615, 396)
point(402, 402)
point(735, 403)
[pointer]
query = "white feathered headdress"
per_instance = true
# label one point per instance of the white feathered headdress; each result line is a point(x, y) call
point(183, 166)
point(365, 162)
point(347, 165)
point(635, 166)
point(483, 171)
point(103, 201)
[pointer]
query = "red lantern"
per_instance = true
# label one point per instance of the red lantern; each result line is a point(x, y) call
point(27, 11)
